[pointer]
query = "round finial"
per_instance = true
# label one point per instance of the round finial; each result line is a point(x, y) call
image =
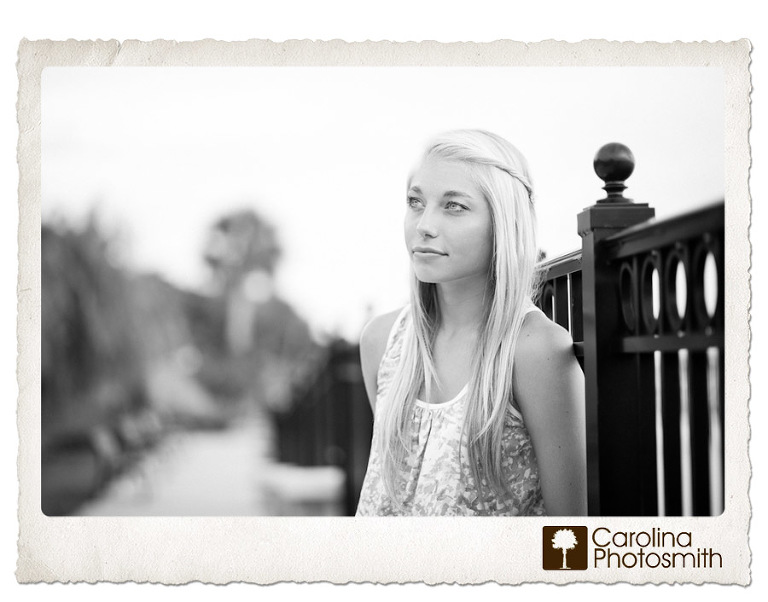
point(614, 163)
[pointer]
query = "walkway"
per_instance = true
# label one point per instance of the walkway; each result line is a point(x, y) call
point(219, 473)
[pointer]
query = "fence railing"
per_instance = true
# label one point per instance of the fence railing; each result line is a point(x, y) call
point(560, 296)
point(644, 302)
point(330, 422)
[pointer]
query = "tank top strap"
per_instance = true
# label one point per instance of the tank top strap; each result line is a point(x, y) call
point(397, 331)
point(392, 351)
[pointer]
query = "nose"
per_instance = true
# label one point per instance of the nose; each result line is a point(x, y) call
point(426, 226)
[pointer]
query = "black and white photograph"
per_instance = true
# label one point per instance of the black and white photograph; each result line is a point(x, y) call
point(215, 242)
point(356, 291)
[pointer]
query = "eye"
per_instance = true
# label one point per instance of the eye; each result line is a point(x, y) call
point(455, 207)
point(414, 202)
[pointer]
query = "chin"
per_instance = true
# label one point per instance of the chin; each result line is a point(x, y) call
point(428, 280)
point(427, 276)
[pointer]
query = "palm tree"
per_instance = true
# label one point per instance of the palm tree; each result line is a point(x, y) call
point(565, 540)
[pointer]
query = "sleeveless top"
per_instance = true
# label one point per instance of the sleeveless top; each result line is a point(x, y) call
point(437, 480)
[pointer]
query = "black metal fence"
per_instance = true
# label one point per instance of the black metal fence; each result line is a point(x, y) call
point(330, 422)
point(644, 302)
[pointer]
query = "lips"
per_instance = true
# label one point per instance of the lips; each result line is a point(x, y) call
point(427, 251)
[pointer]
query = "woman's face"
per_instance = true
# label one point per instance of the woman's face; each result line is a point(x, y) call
point(448, 226)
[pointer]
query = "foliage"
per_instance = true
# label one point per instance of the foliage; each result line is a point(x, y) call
point(238, 243)
point(564, 539)
point(89, 329)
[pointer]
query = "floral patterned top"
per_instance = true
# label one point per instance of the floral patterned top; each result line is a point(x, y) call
point(437, 480)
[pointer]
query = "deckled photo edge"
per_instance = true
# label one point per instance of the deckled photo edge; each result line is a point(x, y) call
point(68, 549)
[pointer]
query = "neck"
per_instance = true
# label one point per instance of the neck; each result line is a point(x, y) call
point(462, 305)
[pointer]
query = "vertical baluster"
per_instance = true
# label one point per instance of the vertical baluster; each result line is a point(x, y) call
point(293, 430)
point(646, 402)
point(306, 430)
point(318, 417)
point(577, 321)
point(699, 427)
point(300, 440)
point(561, 301)
point(303, 438)
point(670, 412)
point(288, 433)
point(660, 494)
point(720, 352)
point(296, 426)
point(328, 415)
point(721, 424)
point(358, 431)
point(646, 436)
point(547, 302)
point(311, 424)
point(336, 409)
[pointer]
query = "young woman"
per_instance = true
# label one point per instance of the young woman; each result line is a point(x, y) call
point(477, 396)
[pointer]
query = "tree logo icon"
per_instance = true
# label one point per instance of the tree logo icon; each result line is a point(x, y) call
point(564, 548)
point(565, 540)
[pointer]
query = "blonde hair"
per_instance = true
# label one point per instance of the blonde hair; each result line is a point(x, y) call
point(501, 173)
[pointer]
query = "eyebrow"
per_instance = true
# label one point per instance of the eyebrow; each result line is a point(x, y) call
point(456, 193)
point(446, 194)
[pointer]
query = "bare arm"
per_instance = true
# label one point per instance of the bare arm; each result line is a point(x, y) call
point(549, 388)
point(373, 343)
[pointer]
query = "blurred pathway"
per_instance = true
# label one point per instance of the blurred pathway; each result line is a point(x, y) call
point(204, 473)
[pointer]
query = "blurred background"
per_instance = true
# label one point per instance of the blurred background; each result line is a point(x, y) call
point(214, 240)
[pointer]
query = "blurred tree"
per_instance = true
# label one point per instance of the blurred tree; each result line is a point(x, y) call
point(117, 365)
point(266, 341)
point(91, 361)
point(239, 243)
point(110, 338)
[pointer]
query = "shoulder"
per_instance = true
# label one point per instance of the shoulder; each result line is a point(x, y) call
point(373, 344)
point(375, 334)
point(546, 373)
point(374, 338)
point(544, 361)
point(542, 340)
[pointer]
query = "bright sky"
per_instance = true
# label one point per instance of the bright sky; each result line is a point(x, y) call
point(323, 153)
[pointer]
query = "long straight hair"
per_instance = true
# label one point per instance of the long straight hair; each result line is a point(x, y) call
point(501, 173)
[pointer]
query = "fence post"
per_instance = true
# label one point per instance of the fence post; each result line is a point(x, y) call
point(616, 394)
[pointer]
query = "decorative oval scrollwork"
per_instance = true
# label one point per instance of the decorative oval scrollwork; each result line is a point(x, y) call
point(676, 289)
point(705, 278)
point(650, 297)
point(627, 289)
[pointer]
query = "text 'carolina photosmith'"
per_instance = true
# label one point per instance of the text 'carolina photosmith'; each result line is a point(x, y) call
point(668, 549)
